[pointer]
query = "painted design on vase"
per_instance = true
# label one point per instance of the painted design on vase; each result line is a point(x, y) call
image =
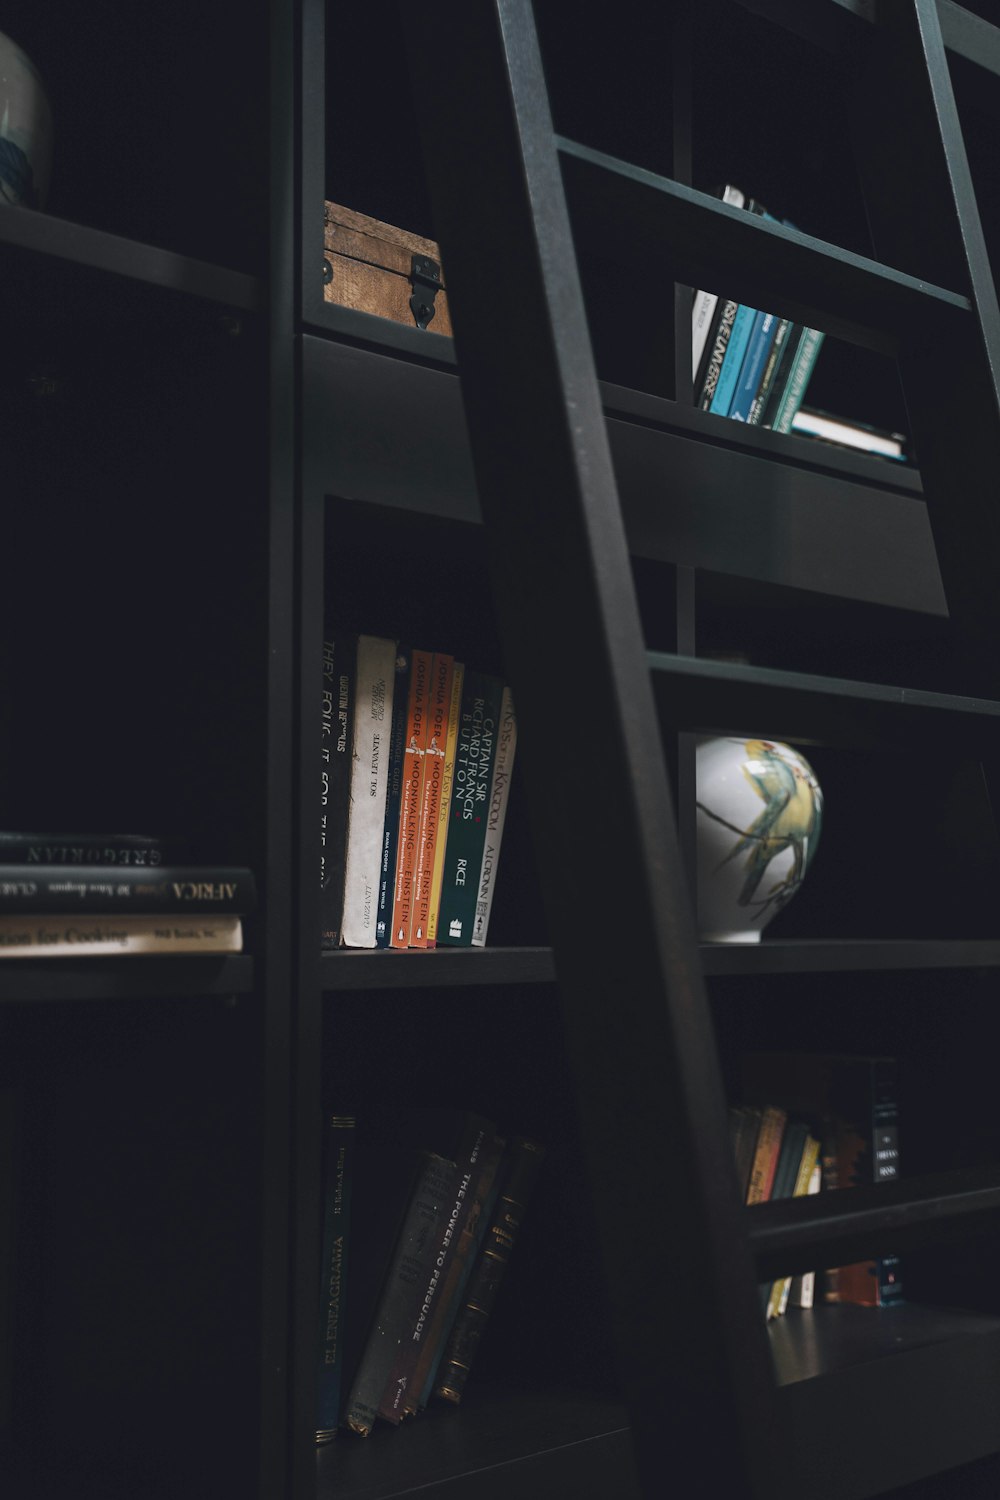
point(26, 129)
point(774, 842)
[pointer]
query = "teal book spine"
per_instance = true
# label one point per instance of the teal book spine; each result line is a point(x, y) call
point(732, 364)
point(337, 1182)
point(797, 383)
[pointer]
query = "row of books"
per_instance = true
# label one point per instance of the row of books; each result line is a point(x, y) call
point(818, 1122)
point(747, 364)
point(415, 1247)
point(92, 895)
point(417, 751)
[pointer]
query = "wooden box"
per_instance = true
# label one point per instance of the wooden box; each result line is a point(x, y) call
point(380, 269)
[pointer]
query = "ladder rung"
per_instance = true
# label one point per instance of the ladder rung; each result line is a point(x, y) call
point(701, 241)
point(799, 1234)
point(719, 697)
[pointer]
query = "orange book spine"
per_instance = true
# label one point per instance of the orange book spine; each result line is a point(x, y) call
point(447, 781)
point(442, 676)
point(411, 798)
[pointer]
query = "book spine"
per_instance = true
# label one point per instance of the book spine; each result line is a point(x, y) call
point(398, 1397)
point(93, 936)
point(499, 797)
point(797, 383)
point(716, 353)
point(732, 363)
point(394, 789)
point(399, 1303)
point(339, 1171)
point(488, 1273)
point(447, 781)
point(477, 735)
point(442, 675)
point(411, 794)
point(483, 1201)
point(759, 347)
point(765, 1161)
point(374, 680)
point(80, 849)
point(335, 781)
point(782, 333)
point(130, 888)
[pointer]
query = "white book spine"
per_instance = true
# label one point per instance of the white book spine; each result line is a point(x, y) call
point(73, 936)
point(499, 797)
point(369, 783)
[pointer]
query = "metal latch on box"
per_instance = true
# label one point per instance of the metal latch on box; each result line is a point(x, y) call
point(425, 278)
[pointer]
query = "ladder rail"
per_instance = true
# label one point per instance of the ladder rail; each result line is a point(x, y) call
point(640, 1037)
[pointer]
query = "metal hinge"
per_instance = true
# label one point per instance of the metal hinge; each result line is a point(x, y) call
point(425, 278)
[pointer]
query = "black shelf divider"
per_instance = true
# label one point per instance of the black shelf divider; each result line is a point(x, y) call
point(386, 969)
point(175, 977)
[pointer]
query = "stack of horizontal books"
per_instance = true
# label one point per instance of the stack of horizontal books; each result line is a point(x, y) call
point(90, 895)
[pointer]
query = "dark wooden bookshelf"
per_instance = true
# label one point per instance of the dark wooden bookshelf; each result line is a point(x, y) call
point(196, 440)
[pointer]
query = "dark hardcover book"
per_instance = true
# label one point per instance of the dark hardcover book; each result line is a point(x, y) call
point(477, 743)
point(339, 651)
point(496, 816)
point(390, 829)
point(480, 1229)
point(127, 888)
point(338, 1172)
point(782, 336)
point(796, 383)
point(399, 1300)
point(397, 1397)
point(744, 1124)
point(520, 1176)
point(86, 849)
point(850, 1102)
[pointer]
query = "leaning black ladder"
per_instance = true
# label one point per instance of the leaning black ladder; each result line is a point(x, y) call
point(694, 1352)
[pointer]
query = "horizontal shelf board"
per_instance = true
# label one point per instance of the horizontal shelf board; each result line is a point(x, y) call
point(126, 978)
point(821, 956)
point(415, 968)
point(870, 1399)
point(705, 242)
point(563, 1442)
point(719, 696)
point(790, 1235)
point(55, 271)
point(696, 490)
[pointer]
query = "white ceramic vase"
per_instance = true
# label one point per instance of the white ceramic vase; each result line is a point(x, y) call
point(26, 130)
point(760, 808)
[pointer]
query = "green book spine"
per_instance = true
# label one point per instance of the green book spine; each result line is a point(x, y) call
point(463, 861)
point(338, 1175)
point(798, 379)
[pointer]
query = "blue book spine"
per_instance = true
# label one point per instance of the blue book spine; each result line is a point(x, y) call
point(765, 326)
point(733, 362)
